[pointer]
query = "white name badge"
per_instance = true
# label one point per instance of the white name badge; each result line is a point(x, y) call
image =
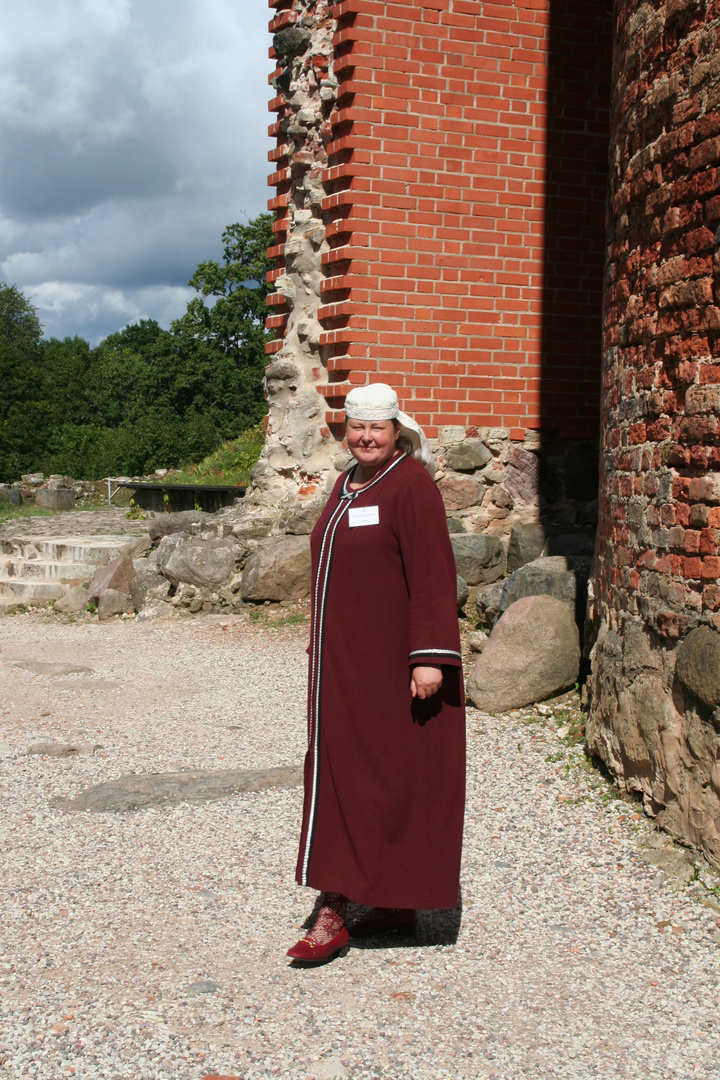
point(363, 515)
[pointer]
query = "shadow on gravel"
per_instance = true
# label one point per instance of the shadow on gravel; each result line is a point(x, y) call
point(433, 928)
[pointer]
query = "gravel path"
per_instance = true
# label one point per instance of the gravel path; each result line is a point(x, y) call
point(581, 951)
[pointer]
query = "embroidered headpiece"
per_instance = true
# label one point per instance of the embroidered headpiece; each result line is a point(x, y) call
point(380, 402)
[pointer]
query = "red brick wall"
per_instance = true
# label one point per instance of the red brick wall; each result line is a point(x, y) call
point(660, 489)
point(465, 209)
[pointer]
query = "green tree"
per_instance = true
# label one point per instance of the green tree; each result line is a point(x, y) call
point(23, 411)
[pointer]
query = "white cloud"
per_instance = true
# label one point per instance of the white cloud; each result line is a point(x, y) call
point(131, 134)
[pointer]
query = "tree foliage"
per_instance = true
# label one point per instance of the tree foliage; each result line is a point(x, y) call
point(145, 398)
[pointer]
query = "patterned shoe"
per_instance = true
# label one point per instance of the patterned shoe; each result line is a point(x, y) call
point(306, 949)
point(381, 920)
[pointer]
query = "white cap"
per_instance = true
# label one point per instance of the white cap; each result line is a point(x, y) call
point(378, 401)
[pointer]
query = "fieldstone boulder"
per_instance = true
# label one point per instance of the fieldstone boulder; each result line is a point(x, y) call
point(74, 601)
point(548, 576)
point(148, 584)
point(455, 526)
point(526, 544)
point(303, 522)
point(698, 665)
point(479, 559)
point(458, 492)
point(166, 547)
point(462, 593)
point(116, 575)
point(532, 654)
point(487, 603)
point(203, 562)
point(165, 524)
point(278, 570)
point(136, 549)
point(112, 602)
point(468, 456)
point(523, 476)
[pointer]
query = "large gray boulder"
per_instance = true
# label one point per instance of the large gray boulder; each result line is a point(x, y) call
point(278, 570)
point(203, 562)
point(55, 498)
point(526, 544)
point(532, 654)
point(549, 576)
point(165, 524)
point(698, 665)
point(478, 559)
point(115, 575)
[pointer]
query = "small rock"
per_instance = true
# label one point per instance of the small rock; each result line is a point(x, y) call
point(206, 986)
point(137, 548)
point(117, 575)
point(526, 544)
point(155, 610)
point(51, 748)
point(478, 641)
point(74, 601)
point(479, 559)
point(468, 456)
point(455, 526)
point(113, 602)
point(458, 492)
point(462, 593)
point(5, 750)
point(487, 603)
point(148, 584)
point(165, 524)
point(523, 476)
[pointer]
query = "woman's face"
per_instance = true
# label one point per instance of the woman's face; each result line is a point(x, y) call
point(371, 442)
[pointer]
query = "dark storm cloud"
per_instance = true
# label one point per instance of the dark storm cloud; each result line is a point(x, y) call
point(44, 176)
point(131, 134)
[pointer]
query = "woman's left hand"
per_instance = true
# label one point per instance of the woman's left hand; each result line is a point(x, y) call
point(425, 681)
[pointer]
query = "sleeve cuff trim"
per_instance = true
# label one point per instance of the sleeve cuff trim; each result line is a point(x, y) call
point(436, 652)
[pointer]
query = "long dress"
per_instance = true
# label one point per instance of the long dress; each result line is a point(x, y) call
point(384, 773)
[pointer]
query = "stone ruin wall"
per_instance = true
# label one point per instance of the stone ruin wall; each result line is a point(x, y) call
point(655, 694)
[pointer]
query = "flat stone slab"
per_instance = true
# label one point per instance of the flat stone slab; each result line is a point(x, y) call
point(136, 791)
point(52, 748)
point(39, 667)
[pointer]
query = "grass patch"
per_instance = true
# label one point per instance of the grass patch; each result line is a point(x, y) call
point(230, 465)
point(8, 512)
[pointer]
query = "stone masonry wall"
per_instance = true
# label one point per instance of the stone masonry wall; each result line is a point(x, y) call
point(655, 712)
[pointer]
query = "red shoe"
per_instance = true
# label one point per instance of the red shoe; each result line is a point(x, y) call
point(311, 953)
point(382, 920)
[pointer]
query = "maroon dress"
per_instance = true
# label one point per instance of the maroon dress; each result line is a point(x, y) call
point(384, 773)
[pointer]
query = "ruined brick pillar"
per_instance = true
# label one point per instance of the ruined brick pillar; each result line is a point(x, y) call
point(655, 699)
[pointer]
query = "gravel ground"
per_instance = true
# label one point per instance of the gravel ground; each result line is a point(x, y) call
point(152, 945)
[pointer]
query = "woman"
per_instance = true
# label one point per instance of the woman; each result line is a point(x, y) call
point(385, 767)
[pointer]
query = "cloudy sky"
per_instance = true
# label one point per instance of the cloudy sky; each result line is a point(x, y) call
point(131, 133)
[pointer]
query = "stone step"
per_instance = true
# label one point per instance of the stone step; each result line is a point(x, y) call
point(91, 550)
point(16, 592)
point(14, 570)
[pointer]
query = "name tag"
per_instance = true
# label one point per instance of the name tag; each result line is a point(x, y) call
point(363, 515)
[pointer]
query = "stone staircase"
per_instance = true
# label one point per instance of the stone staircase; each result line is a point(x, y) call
point(37, 569)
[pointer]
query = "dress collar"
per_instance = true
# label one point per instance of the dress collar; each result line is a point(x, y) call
point(347, 494)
